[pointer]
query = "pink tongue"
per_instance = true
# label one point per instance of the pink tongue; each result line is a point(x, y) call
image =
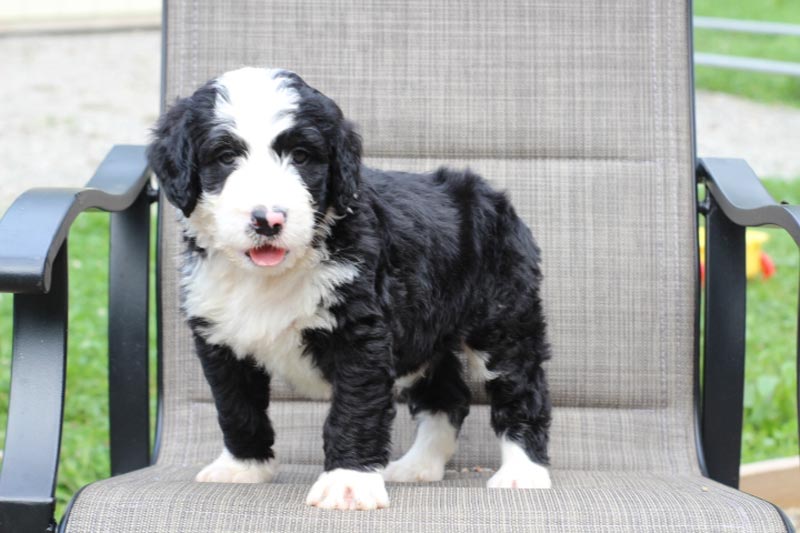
point(267, 255)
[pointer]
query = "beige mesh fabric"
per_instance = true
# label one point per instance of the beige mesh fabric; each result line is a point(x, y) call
point(581, 110)
point(163, 499)
point(578, 109)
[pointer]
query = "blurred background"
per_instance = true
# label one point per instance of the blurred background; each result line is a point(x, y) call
point(81, 76)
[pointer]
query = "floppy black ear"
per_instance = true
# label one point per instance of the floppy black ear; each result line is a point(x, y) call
point(345, 168)
point(172, 157)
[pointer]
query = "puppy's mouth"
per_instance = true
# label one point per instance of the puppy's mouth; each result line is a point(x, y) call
point(267, 255)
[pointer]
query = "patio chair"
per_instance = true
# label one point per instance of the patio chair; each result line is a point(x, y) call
point(583, 112)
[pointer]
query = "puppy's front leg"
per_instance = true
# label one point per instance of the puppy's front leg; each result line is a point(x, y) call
point(241, 392)
point(358, 428)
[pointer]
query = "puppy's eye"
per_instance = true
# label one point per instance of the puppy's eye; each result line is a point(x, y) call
point(299, 156)
point(227, 158)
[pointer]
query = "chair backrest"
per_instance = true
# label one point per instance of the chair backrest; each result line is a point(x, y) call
point(581, 109)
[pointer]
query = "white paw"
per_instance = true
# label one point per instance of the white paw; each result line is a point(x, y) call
point(227, 469)
point(434, 445)
point(530, 476)
point(517, 470)
point(348, 490)
point(415, 468)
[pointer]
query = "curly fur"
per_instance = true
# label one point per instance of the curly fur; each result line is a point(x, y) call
point(388, 274)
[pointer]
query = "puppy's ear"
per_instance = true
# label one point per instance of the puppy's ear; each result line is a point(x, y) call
point(345, 168)
point(172, 157)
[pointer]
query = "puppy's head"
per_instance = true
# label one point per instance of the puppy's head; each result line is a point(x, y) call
point(258, 162)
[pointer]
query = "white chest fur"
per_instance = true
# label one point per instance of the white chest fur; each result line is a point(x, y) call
point(264, 316)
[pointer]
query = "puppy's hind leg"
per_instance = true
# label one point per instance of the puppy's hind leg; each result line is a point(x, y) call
point(520, 414)
point(439, 402)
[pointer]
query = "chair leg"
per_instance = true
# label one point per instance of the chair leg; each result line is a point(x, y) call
point(36, 405)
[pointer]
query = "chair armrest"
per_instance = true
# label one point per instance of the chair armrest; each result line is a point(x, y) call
point(736, 199)
point(35, 226)
point(743, 198)
point(33, 265)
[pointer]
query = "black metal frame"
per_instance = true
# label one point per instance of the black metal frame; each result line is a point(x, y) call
point(128, 363)
point(33, 266)
point(736, 199)
point(36, 405)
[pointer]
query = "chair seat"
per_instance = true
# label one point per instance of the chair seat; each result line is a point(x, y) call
point(164, 498)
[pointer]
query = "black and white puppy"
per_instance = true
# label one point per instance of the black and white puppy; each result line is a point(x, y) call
point(347, 282)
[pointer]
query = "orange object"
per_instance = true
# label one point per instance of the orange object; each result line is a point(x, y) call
point(767, 266)
point(758, 262)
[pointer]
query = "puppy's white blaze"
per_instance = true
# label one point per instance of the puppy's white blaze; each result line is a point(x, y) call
point(256, 104)
point(265, 316)
point(349, 490)
point(517, 470)
point(476, 361)
point(228, 469)
point(433, 446)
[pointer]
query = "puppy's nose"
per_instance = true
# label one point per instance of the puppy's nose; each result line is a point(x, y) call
point(268, 222)
point(276, 216)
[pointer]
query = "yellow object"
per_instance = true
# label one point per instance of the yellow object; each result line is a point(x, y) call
point(754, 239)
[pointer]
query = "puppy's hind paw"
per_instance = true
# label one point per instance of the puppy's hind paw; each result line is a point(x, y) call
point(348, 490)
point(530, 476)
point(228, 469)
point(410, 469)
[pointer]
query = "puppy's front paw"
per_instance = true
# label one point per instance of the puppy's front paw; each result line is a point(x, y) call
point(415, 467)
point(349, 490)
point(520, 476)
point(228, 469)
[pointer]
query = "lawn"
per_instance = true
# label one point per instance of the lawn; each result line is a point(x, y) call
point(770, 422)
point(762, 87)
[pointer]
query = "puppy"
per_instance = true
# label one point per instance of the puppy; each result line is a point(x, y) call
point(347, 281)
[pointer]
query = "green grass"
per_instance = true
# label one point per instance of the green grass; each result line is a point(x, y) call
point(768, 88)
point(764, 10)
point(770, 428)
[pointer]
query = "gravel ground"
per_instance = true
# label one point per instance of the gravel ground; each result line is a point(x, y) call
point(68, 98)
point(767, 136)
